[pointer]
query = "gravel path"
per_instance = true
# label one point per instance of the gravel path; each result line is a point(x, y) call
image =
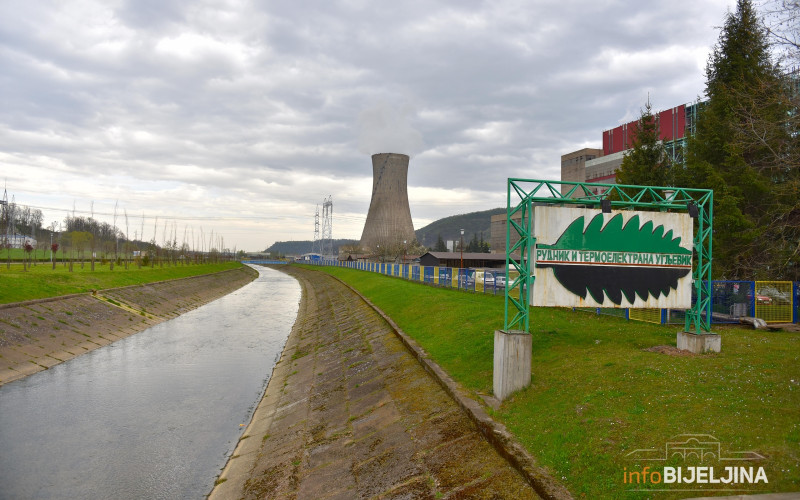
point(350, 413)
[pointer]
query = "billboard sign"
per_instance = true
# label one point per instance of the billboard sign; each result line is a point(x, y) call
point(587, 258)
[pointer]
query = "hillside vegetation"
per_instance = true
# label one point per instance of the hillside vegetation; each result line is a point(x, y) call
point(299, 247)
point(449, 228)
point(473, 223)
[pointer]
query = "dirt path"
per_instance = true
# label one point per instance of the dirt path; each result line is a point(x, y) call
point(350, 413)
point(38, 334)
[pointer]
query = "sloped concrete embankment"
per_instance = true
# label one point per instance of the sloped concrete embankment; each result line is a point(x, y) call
point(38, 334)
point(350, 413)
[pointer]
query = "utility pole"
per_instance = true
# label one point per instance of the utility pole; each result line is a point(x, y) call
point(327, 226)
point(315, 243)
point(5, 227)
point(461, 246)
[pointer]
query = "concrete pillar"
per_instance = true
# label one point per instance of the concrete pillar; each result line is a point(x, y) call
point(699, 344)
point(512, 362)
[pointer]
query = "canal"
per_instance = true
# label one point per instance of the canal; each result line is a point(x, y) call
point(154, 415)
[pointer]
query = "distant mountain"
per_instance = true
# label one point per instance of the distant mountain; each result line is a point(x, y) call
point(300, 247)
point(450, 227)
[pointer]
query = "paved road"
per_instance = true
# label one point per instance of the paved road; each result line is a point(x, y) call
point(349, 413)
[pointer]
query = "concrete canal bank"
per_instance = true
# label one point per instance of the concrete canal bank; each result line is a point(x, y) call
point(349, 413)
point(36, 335)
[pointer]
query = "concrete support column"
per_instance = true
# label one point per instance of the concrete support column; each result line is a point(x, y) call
point(512, 362)
point(698, 344)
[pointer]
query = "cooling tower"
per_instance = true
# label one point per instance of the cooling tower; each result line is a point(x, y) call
point(389, 218)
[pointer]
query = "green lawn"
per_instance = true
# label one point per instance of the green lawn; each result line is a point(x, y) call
point(597, 395)
point(42, 281)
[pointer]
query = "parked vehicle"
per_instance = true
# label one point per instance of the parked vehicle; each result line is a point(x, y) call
point(495, 279)
point(763, 299)
point(771, 293)
point(760, 299)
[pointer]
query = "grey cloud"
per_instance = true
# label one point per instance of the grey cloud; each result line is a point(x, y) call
point(151, 95)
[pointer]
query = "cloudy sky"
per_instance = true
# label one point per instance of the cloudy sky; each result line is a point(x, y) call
point(241, 116)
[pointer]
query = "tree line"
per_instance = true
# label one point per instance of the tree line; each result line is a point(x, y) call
point(86, 241)
point(744, 146)
point(472, 246)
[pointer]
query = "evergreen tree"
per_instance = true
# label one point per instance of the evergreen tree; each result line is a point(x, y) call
point(744, 161)
point(440, 245)
point(647, 162)
point(474, 244)
point(484, 245)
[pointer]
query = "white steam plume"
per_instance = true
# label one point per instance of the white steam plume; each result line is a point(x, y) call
point(384, 128)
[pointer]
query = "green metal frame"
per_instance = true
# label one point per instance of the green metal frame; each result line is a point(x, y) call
point(529, 191)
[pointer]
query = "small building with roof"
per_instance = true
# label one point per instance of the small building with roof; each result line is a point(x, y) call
point(471, 259)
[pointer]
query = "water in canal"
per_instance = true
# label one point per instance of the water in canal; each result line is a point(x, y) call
point(154, 415)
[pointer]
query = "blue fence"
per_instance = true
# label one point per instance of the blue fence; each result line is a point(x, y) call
point(473, 280)
point(774, 301)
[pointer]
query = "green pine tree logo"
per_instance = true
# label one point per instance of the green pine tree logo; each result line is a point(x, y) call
point(616, 259)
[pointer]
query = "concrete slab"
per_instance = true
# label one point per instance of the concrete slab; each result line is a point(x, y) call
point(330, 480)
point(8, 375)
point(461, 464)
point(385, 471)
point(699, 344)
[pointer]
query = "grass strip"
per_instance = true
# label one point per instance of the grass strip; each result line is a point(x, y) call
point(41, 281)
point(597, 394)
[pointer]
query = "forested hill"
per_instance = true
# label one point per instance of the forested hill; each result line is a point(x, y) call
point(450, 227)
point(302, 246)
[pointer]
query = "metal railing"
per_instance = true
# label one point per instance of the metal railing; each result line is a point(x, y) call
point(772, 301)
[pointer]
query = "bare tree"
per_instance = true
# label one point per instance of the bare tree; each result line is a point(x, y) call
point(164, 243)
point(116, 238)
point(127, 240)
point(92, 248)
point(141, 238)
point(153, 245)
point(174, 243)
point(782, 20)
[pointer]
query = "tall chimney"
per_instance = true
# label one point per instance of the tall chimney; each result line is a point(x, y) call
point(389, 218)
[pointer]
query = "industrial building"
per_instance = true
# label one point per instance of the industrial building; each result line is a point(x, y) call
point(17, 240)
point(600, 165)
point(469, 259)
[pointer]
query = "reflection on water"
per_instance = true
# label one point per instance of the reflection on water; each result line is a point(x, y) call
point(154, 415)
